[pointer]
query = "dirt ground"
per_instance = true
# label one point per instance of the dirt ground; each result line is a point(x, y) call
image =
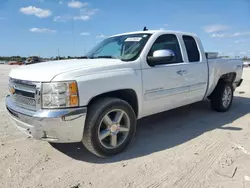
point(187, 147)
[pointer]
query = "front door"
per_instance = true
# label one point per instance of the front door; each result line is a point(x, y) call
point(164, 86)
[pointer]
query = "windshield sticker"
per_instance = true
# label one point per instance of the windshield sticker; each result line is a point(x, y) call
point(144, 35)
point(133, 39)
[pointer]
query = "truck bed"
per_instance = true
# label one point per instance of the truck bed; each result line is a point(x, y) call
point(221, 66)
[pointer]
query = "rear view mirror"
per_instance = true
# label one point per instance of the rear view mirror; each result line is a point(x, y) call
point(160, 57)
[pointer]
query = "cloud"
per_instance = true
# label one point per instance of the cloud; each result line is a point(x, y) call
point(240, 41)
point(249, 51)
point(243, 53)
point(227, 35)
point(85, 34)
point(77, 4)
point(42, 30)
point(101, 36)
point(215, 28)
point(38, 12)
point(62, 18)
point(88, 12)
point(165, 25)
point(83, 18)
point(85, 14)
point(68, 18)
point(60, 2)
point(242, 34)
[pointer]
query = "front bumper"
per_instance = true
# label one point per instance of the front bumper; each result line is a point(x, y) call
point(54, 125)
point(237, 84)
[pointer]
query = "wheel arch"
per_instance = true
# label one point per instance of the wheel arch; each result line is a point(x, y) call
point(228, 77)
point(128, 95)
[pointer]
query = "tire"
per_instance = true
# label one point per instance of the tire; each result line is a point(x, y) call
point(217, 102)
point(95, 125)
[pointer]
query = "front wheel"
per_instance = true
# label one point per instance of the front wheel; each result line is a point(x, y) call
point(110, 127)
point(222, 97)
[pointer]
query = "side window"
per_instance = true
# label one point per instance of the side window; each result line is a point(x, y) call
point(192, 49)
point(167, 42)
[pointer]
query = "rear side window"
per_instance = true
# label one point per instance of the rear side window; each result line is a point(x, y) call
point(192, 49)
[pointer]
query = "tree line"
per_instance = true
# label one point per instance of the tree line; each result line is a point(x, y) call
point(21, 59)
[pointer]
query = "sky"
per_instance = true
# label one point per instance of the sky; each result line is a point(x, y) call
point(71, 27)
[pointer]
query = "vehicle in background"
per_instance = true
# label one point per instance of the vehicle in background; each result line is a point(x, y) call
point(99, 98)
point(32, 60)
point(246, 64)
point(15, 63)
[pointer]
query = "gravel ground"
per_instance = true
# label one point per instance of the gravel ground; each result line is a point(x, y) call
point(190, 146)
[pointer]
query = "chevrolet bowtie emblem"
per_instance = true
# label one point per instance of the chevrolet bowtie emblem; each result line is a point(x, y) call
point(12, 90)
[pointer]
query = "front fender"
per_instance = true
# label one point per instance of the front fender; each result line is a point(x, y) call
point(94, 84)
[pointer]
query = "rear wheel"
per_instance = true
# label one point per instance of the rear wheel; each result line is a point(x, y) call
point(110, 127)
point(222, 97)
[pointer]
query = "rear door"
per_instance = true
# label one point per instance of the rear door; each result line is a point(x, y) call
point(196, 73)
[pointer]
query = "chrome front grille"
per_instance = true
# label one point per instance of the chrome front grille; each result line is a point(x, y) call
point(25, 102)
point(25, 94)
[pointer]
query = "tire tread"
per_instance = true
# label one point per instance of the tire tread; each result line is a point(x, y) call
point(94, 110)
point(216, 98)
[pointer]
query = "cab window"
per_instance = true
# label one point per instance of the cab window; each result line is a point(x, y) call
point(168, 42)
point(192, 49)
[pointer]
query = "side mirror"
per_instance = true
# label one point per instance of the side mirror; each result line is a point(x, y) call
point(160, 57)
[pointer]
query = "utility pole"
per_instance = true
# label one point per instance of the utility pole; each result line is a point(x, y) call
point(58, 55)
point(73, 36)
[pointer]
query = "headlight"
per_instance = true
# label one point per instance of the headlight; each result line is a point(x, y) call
point(59, 95)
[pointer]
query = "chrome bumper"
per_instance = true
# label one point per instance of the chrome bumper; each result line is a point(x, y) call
point(55, 125)
point(237, 84)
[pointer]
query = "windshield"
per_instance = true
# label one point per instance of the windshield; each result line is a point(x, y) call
point(125, 47)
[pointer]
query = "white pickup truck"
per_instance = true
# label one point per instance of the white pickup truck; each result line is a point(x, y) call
point(97, 99)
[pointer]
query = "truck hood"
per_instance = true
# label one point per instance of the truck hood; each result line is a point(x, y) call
point(46, 71)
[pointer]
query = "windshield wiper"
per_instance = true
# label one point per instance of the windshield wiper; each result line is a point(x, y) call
point(106, 56)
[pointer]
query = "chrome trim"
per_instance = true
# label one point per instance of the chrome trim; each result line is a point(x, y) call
point(24, 88)
point(38, 97)
point(30, 87)
point(25, 102)
point(22, 81)
point(57, 125)
point(45, 113)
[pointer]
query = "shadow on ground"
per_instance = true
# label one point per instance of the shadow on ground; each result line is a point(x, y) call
point(168, 129)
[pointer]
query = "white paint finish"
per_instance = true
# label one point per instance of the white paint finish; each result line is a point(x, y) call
point(161, 84)
point(196, 79)
point(98, 83)
point(99, 80)
point(218, 67)
point(46, 71)
point(157, 88)
point(174, 89)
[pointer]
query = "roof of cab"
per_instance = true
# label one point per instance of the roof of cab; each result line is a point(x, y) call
point(156, 31)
